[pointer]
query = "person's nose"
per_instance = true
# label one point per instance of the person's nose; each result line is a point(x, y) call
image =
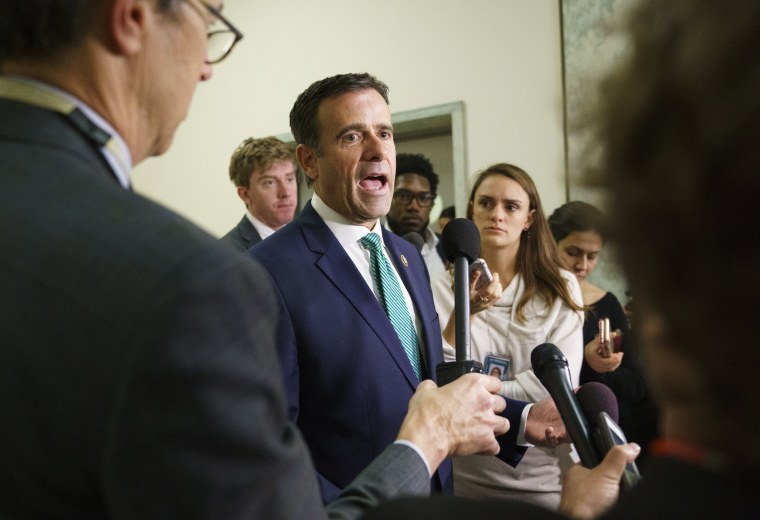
point(582, 264)
point(414, 204)
point(283, 190)
point(376, 149)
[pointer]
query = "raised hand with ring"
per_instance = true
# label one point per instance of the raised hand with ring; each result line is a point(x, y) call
point(486, 296)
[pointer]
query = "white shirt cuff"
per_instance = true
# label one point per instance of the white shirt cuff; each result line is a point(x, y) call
point(521, 441)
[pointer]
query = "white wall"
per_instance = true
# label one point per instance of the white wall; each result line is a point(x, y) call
point(501, 57)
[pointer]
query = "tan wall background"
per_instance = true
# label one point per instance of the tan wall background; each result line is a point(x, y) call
point(502, 58)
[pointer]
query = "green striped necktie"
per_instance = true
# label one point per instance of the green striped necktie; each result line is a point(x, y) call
point(392, 298)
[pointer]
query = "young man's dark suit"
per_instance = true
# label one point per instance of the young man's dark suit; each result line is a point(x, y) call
point(243, 236)
point(347, 377)
point(138, 377)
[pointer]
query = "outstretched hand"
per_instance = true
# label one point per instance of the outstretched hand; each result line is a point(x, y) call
point(544, 426)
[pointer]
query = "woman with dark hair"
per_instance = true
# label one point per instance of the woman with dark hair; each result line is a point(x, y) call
point(530, 301)
point(579, 231)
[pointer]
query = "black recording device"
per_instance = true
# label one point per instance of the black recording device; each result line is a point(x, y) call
point(599, 406)
point(461, 245)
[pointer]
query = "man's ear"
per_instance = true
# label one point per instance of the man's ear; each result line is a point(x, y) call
point(307, 158)
point(242, 192)
point(128, 19)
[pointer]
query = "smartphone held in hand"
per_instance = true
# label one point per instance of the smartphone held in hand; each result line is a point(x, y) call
point(486, 277)
point(605, 344)
point(609, 341)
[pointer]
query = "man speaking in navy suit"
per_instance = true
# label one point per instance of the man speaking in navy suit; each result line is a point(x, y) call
point(350, 367)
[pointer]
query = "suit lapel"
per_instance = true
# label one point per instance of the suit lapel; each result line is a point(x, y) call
point(336, 265)
point(248, 232)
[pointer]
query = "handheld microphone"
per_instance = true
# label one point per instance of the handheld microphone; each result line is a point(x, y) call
point(551, 368)
point(594, 398)
point(600, 408)
point(461, 245)
point(415, 239)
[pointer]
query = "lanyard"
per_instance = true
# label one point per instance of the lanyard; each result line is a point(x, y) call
point(34, 95)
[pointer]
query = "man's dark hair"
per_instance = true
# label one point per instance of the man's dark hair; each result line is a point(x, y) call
point(448, 212)
point(303, 116)
point(40, 28)
point(419, 164)
point(577, 216)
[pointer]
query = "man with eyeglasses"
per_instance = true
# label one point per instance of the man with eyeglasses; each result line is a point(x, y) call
point(413, 197)
point(138, 374)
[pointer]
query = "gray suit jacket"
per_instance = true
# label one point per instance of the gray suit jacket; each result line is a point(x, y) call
point(243, 236)
point(138, 374)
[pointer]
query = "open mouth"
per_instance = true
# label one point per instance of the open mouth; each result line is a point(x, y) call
point(373, 182)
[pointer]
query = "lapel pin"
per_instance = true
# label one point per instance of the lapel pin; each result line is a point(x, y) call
point(403, 261)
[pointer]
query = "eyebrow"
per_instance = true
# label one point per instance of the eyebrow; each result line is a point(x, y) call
point(268, 176)
point(583, 250)
point(489, 197)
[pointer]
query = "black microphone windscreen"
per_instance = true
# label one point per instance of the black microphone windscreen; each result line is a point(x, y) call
point(461, 238)
point(546, 356)
point(415, 239)
point(596, 397)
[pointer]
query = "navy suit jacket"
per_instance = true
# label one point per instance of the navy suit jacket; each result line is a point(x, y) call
point(347, 377)
point(243, 236)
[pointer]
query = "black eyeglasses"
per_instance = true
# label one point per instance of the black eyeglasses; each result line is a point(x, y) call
point(220, 41)
point(405, 197)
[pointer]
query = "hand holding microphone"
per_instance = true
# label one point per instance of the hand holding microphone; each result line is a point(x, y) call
point(590, 418)
point(551, 368)
point(457, 419)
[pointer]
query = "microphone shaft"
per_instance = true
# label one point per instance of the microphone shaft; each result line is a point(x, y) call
point(462, 308)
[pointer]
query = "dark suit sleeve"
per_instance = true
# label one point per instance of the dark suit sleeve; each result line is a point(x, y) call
point(510, 452)
point(397, 472)
point(199, 426)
